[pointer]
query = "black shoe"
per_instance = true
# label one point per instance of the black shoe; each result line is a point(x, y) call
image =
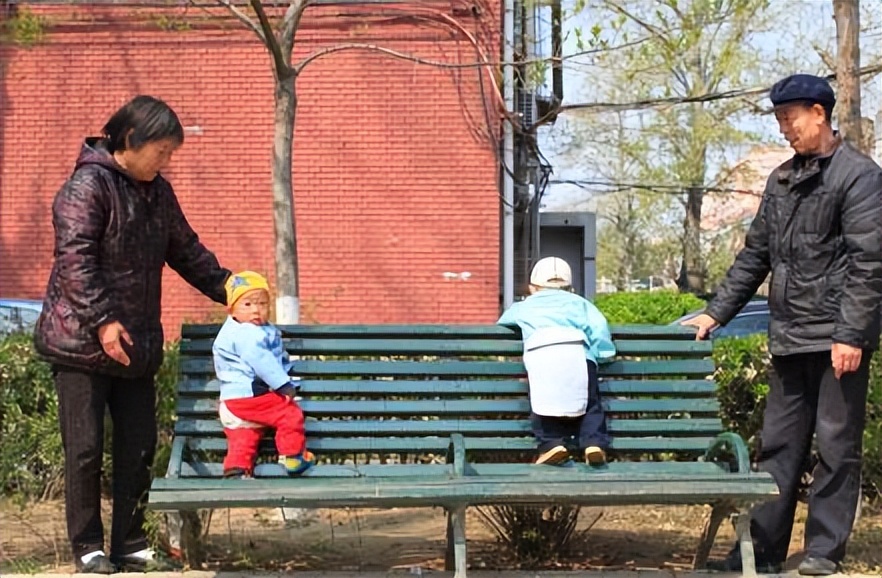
point(733, 564)
point(817, 566)
point(159, 563)
point(238, 474)
point(97, 565)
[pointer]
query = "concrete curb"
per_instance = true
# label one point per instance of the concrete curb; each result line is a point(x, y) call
point(415, 572)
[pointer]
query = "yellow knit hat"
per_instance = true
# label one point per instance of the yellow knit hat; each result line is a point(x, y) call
point(241, 283)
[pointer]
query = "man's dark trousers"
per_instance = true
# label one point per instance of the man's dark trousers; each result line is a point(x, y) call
point(806, 398)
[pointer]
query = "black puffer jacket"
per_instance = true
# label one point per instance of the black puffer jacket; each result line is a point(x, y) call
point(113, 235)
point(819, 232)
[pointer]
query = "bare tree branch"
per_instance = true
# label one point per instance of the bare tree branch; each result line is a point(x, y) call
point(450, 65)
point(283, 71)
point(291, 23)
point(826, 57)
point(244, 18)
point(728, 173)
point(653, 30)
point(394, 54)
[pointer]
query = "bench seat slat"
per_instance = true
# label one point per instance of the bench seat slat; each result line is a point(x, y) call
point(478, 490)
point(448, 407)
point(438, 331)
point(417, 387)
point(388, 346)
point(310, 367)
point(440, 444)
point(708, 426)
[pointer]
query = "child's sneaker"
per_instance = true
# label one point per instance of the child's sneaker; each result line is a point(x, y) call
point(237, 474)
point(554, 457)
point(594, 456)
point(296, 465)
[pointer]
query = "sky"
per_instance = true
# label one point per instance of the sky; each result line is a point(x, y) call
point(785, 47)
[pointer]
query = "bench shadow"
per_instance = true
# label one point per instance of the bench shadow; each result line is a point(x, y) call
point(372, 540)
point(396, 539)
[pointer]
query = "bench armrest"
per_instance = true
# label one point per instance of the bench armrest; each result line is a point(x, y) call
point(176, 459)
point(456, 450)
point(730, 443)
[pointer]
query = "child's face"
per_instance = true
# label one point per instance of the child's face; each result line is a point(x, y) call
point(252, 307)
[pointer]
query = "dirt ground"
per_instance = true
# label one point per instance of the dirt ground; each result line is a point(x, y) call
point(33, 539)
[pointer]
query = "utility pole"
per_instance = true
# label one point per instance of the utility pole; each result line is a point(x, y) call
point(846, 13)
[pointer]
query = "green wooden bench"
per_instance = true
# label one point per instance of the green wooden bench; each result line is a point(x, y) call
point(437, 416)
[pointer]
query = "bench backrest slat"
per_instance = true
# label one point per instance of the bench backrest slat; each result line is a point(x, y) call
point(440, 444)
point(449, 368)
point(388, 347)
point(199, 386)
point(456, 407)
point(195, 332)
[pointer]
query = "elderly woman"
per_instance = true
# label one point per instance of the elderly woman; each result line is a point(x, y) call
point(117, 223)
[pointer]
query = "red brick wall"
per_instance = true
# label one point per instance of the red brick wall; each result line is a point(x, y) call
point(392, 187)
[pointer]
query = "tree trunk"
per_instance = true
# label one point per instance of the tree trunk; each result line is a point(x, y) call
point(691, 277)
point(287, 288)
point(848, 63)
point(693, 172)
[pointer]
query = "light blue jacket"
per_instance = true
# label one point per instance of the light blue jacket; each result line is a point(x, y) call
point(559, 308)
point(249, 358)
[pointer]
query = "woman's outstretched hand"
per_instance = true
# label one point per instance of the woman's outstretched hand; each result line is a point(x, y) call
point(111, 336)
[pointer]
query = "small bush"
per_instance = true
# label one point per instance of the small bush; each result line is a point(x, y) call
point(742, 382)
point(534, 535)
point(872, 464)
point(31, 454)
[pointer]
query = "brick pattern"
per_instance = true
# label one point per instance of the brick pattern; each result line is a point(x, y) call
point(392, 186)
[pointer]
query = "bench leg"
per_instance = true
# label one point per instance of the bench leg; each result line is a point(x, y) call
point(745, 542)
point(719, 513)
point(175, 524)
point(191, 538)
point(455, 557)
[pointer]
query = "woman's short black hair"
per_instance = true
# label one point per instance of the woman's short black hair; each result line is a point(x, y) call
point(141, 120)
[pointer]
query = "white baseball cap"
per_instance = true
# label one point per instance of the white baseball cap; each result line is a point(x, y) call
point(552, 273)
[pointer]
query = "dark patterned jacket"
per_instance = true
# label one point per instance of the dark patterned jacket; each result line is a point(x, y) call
point(113, 235)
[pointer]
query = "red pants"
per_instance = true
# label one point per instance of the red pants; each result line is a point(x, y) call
point(270, 410)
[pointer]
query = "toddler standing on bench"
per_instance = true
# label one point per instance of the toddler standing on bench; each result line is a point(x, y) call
point(256, 392)
point(565, 337)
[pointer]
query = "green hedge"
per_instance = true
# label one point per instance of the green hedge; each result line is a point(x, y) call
point(655, 308)
point(31, 456)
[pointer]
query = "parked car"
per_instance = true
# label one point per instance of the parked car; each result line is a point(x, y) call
point(18, 315)
point(753, 319)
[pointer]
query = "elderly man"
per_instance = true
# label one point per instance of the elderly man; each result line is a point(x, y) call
point(818, 231)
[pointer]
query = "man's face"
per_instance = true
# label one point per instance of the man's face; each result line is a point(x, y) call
point(802, 125)
point(252, 307)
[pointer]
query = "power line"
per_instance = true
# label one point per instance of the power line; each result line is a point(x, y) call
point(668, 189)
point(710, 97)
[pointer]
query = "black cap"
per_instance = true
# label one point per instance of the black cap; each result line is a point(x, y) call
point(804, 88)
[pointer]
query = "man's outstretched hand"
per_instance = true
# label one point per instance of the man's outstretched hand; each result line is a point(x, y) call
point(704, 323)
point(845, 358)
